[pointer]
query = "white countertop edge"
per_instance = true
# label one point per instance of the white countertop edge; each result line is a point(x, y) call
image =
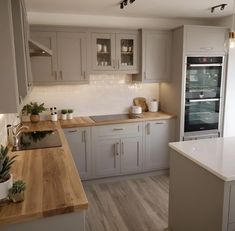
point(222, 177)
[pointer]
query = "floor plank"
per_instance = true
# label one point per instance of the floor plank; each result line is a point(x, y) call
point(128, 205)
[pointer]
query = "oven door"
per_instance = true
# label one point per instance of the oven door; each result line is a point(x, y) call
point(202, 114)
point(203, 81)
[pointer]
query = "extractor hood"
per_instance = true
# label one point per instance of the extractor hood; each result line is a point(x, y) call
point(37, 49)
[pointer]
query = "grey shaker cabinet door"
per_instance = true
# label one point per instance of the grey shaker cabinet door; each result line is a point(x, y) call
point(157, 136)
point(156, 50)
point(80, 146)
point(131, 155)
point(103, 51)
point(71, 56)
point(205, 39)
point(106, 157)
point(126, 52)
point(44, 69)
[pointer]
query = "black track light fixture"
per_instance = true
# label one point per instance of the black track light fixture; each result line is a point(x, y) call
point(124, 3)
point(221, 6)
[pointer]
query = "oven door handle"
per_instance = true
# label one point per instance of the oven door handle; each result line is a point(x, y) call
point(203, 100)
point(205, 65)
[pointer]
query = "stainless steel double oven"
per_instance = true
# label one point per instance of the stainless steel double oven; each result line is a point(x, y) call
point(203, 97)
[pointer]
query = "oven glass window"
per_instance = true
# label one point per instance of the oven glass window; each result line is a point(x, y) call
point(201, 116)
point(203, 82)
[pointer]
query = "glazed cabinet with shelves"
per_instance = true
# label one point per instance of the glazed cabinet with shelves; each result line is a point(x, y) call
point(114, 52)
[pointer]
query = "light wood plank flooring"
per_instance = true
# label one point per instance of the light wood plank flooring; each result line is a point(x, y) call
point(128, 204)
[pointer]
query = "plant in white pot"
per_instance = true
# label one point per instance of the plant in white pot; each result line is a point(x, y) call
point(6, 180)
point(64, 114)
point(70, 114)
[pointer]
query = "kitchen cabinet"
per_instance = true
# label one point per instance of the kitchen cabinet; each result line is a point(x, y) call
point(114, 52)
point(117, 149)
point(106, 157)
point(131, 154)
point(205, 39)
point(44, 68)
point(68, 61)
point(155, 56)
point(9, 100)
point(157, 136)
point(80, 145)
point(21, 30)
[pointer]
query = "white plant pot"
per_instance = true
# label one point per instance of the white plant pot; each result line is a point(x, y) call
point(4, 187)
point(70, 116)
point(64, 116)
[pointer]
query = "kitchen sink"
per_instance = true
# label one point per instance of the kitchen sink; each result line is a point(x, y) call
point(38, 140)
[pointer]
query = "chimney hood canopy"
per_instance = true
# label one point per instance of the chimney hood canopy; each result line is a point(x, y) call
point(37, 49)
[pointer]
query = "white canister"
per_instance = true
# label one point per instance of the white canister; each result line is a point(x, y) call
point(70, 116)
point(153, 106)
point(64, 116)
point(136, 109)
point(54, 117)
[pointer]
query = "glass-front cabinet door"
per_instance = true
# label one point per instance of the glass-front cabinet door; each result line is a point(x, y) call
point(103, 51)
point(126, 51)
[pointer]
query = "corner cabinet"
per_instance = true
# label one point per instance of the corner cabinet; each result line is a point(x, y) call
point(157, 135)
point(155, 56)
point(79, 143)
point(68, 61)
point(114, 52)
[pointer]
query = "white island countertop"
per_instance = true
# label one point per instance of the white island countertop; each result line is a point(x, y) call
point(215, 155)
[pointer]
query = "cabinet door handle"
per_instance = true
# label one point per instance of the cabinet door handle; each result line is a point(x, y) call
point(61, 75)
point(148, 129)
point(72, 131)
point(122, 148)
point(138, 153)
point(114, 64)
point(117, 149)
point(84, 75)
point(118, 62)
point(118, 129)
point(56, 75)
point(160, 122)
point(84, 136)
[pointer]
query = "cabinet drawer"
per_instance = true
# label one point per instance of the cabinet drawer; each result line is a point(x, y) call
point(119, 129)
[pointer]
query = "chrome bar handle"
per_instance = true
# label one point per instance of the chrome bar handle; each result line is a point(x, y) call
point(61, 75)
point(148, 127)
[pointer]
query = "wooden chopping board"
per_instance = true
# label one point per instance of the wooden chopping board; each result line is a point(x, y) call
point(141, 101)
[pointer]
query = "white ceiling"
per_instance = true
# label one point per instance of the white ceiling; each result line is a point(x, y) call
point(140, 8)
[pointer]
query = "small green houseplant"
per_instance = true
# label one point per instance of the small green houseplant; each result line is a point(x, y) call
point(16, 192)
point(5, 176)
point(64, 114)
point(70, 114)
point(34, 109)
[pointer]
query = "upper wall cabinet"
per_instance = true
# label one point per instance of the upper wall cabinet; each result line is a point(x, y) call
point(68, 61)
point(155, 56)
point(205, 39)
point(114, 52)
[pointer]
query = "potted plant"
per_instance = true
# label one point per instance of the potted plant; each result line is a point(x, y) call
point(64, 114)
point(5, 176)
point(16, 192)
point(34, 109)
point(70, 114)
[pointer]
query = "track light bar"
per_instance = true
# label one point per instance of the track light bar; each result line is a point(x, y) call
point(124, 3)
point(221, 6)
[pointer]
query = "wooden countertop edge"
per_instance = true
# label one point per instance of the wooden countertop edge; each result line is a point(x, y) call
point(75, 122)
point(70, 208)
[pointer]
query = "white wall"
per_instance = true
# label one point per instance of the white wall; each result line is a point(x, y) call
point(108, 21)
point(229, 113)
point(106, 94)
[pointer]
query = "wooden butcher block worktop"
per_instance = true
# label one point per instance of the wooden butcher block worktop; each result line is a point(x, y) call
point(53, 184)
point(87, 121)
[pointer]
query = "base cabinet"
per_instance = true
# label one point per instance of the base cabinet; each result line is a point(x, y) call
point(157, 136)
point(79, 143)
